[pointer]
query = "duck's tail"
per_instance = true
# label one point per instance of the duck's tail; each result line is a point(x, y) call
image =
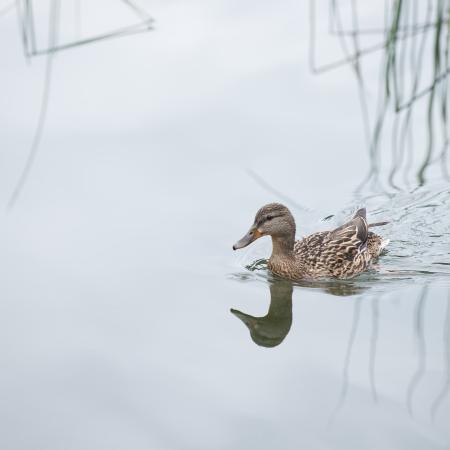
point(376, 244)
point(384, 243)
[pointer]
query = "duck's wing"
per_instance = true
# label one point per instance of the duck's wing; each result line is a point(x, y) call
point(350, 239)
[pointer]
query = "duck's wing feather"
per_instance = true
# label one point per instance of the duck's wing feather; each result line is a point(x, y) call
point(351, 238)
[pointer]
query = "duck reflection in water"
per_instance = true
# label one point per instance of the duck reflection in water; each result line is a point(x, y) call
point(271, 329)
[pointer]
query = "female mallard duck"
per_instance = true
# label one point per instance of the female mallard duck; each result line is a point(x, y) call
point(340, 253)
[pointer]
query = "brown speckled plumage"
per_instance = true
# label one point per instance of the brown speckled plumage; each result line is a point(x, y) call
point(341, 253)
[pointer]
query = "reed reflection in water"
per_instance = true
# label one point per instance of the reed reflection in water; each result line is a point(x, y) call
point(271, 330)
point(402, 39)
point(36, 21)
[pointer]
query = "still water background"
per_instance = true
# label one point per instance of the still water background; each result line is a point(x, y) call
point(117, 269)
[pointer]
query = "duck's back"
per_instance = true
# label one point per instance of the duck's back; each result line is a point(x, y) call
point(342, 253)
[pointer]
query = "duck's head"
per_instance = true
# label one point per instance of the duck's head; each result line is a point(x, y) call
point(273, 220)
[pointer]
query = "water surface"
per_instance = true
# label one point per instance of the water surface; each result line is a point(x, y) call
point(118, 277)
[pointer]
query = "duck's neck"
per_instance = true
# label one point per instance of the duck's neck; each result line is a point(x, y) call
point(283, 247)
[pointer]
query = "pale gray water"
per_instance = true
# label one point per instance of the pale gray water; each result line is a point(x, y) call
point(117, 270)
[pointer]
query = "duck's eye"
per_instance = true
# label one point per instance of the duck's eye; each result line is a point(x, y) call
point(269, 218)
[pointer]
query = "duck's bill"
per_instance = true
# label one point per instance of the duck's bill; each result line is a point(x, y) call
point(251, 236)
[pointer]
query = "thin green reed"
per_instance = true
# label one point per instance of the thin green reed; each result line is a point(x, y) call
point(31, 49)
point(391, 51)
point(409, 60)
point(436, 74)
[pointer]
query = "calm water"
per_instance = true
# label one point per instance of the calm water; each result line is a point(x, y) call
point(127, 321)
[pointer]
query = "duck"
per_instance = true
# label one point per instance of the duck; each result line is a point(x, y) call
point(342, 253)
